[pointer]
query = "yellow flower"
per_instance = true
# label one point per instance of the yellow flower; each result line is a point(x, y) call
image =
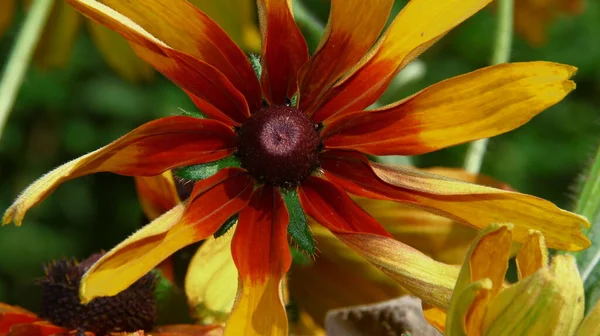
point(54, 48)
point(533, 17)
point(547, 299)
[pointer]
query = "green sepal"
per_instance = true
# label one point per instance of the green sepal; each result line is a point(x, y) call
point(206, 170)
point(256, 65)
point(195, 114)
point(298, 226)
point(226, 226)
point(299, 257)
point(294, 100)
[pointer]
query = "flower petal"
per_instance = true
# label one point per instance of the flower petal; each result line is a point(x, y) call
point(7, 14)
point(344, 277)
point(532, 256)
point(346, 39)
point(420, 24)
point(261, 254)
point(148, 150)
point(157, 194)
point(467, 203)
point(36, 329)
point(284, 50)
point(211, 281)
point(435, 316)
point(212, 202)
point(477, 105)
point(331, 207)
point(187, 47)
point(591, 323)
point(188, 330)
point(118, 54)
point(12, 315)
point(467, 304)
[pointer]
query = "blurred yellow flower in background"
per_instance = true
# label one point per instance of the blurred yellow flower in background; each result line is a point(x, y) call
point(236, 17)
point(533, 17)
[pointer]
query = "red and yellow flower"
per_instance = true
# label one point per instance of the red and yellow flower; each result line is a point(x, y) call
point(302, 132)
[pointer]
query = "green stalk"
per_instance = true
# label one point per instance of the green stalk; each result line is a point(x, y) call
point(501, 54)
point(20, 57)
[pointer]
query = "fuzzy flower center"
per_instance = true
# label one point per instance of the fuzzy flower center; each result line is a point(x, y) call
point(131, 310)
point(279, 146)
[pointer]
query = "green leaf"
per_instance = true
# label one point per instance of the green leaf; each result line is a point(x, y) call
point(298, 226)
point(256, 65)
point(226, 226)
point(588, 205)
point(195, 114)
point(206, 170)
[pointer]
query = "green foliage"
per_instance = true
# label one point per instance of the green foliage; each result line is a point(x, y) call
point(206, 170)
point(226, 226)
point(298, 226)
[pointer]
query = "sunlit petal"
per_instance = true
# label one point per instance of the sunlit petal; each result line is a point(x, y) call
point(532, 256)
point(477, 105)
point(346, 39)
point(472, 204)
point(212, 202)
point(284, 50)
point(148, 150)
point(420, 24)
point(261, 254)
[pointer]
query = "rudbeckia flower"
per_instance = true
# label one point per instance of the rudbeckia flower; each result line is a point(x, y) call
point(128, 313)
point(302, 148)
point(64, 24)
point(547, 299)
point(533, 17)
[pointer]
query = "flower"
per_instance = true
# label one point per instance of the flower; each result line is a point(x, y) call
point(547, 299)
point(307, 142)
point(533, 17)
point(54, 48)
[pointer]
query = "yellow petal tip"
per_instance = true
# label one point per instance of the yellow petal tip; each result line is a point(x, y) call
point(569, 86)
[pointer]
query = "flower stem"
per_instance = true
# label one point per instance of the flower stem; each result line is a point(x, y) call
point(501, 54)
point(20, 57)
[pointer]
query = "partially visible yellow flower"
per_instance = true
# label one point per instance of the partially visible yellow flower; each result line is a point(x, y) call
point(547, 299)
point(54, 48)
point(533, 17)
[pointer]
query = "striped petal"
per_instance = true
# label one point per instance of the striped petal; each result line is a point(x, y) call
point(212, 202)
point(118, 54)
point(346, 39)
point(187, 47)
point(148, 150)
point(419, 25)
point(261, 254)
point(157, 194)
point(471, 204)
point(284, 50)
point(477, 105)
point(332, 207)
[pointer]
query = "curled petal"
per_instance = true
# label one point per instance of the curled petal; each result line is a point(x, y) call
point(186, 46)
point(459, 320)
point(477, 105)
point(157, 194)
point(467, 203)
point(284, 50)
point(148, 150)
point(212, 202)
point(532, 256)
point(346, 39)
point(261, 254)
point(419, 25)
point(211, 281)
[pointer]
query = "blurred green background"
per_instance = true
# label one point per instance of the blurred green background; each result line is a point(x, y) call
point(62, 114)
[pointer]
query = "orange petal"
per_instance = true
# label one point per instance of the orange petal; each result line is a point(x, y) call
point(261, 254)
point(426, 278)
point(331, 207)
point(435, 316)
point(12, 315)
point(148, 150)
point(477, 105)
point(420, 24)
point(118, 54)
point(188, 330)
point(467, 203)
point(532, 256)
point(186, 46)
point(212, 202)
point(157, 194)
point(346, 39)
point(36, 329)
point(284, 50)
